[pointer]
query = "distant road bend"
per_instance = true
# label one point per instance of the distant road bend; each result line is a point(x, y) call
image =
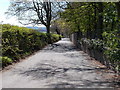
point(59, 65)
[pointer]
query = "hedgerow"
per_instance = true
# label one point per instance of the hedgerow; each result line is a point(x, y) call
point(112, 44)
point(18, 42)
point(109, 46)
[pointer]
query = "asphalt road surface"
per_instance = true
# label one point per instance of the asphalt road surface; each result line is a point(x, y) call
point(59, 65)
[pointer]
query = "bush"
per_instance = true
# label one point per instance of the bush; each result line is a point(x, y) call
point(18, 42)
point(5, 61)
point(55, 37)
point(93, 43)
point(110, 47)
point(112, 44)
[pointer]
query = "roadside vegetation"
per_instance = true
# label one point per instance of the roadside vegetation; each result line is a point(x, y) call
point(19, 42)
point(96, 27)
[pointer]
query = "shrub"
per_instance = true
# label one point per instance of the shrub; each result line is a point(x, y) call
point(5, 61)
point(112, 44)
point(93, 43)
point(55, 37)
point(110, 47)
point(18, 42)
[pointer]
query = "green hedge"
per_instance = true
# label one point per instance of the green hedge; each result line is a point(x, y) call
point(18, 42)
point(112, 44)
point(4, 61)
point(110, 47)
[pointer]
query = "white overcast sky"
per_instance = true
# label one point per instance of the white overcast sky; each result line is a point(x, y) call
point(4, 4)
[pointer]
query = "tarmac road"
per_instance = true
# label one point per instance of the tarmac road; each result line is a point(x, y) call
point(59, 65)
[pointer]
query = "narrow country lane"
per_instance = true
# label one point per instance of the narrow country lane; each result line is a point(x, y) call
point(59, 65)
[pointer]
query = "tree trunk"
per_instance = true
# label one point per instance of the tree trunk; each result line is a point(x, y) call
point(118, 11)
point(79, 33)
point(49, 35)
point(95, 22)
point(100, 20)
point(57, 31)
point(48, 29)
point(89, 27)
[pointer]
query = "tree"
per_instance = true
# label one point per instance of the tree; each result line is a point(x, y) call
point(60, 26)
point(79, 14)
point(93, 18)
point(71, 15)
point(34, 11)
point(55, 27)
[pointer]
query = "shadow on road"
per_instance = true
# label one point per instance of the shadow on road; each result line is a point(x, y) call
point(61, 46)
point(86, 85)
point(45, 71)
